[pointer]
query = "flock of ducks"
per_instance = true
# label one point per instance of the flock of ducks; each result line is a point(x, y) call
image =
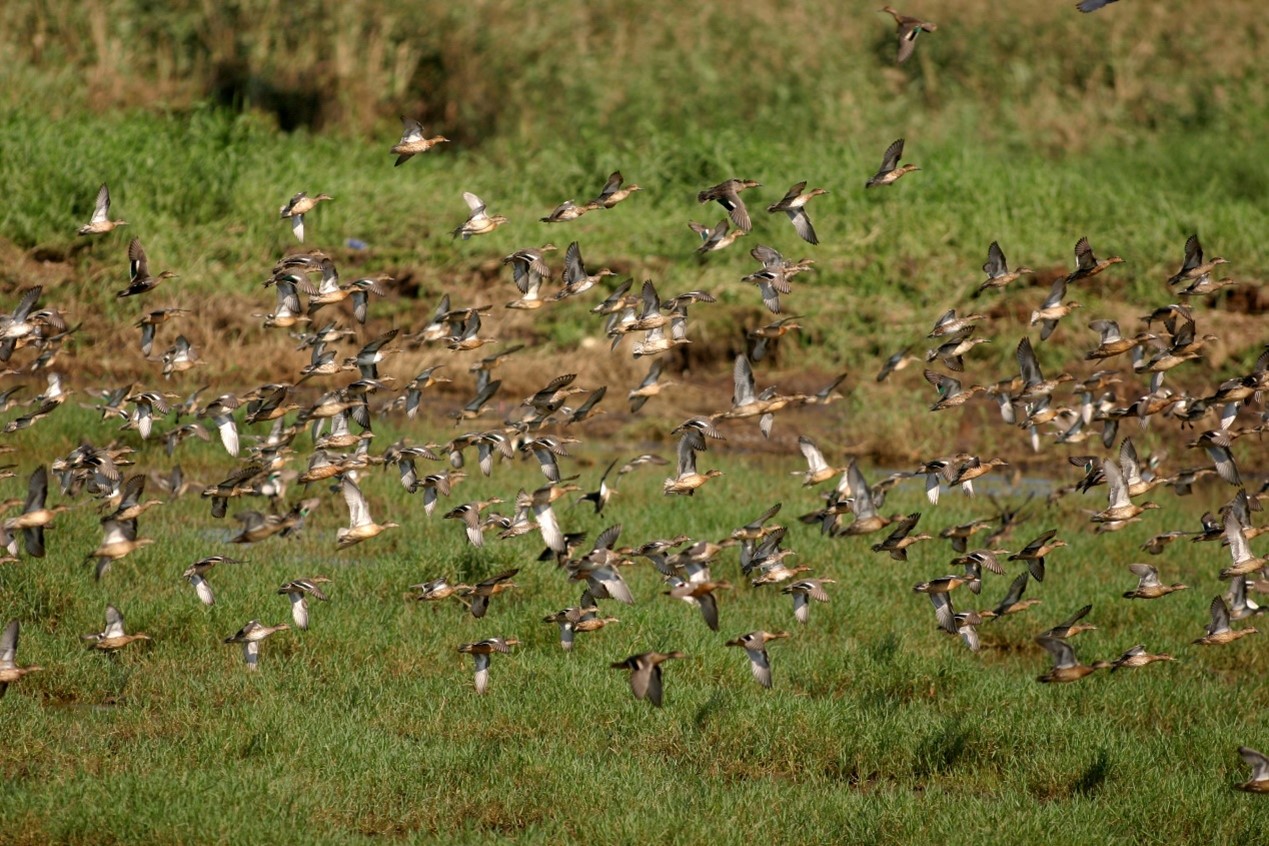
point(338, 422)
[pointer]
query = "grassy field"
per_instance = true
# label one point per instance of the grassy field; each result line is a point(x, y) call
point(1136, 126)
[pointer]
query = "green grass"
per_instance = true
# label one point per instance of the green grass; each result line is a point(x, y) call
point(878, 729)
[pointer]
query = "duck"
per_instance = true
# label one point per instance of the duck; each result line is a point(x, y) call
point(1053, 309)
point(1218, 630)
point(1121, 507)
point(1194, 270)
point(998, 273)
point(1034, 553)
point(727, 195)
point(613, 192)
point(298, 206)
point(35, 516)
point(298, 591)
point(113, 637)
point(803, 591)
point(755, 646)
point(645, 673)
point(9, 669)
point(482, 591)
point(951, 394)
point(576, 278)
point(577, 619)
point(250, 636)
point(361, 526)
point(1245, 562)
point(1071, 626)
point(413, 141)
point(720, 237)
point(1066, 668)
point(1148, 584)
point(119, 539)
point(794, 205)
point(687, 480)
point(100, 223)
point(817, 469)
point(140, 280)
point(703, 593)
point(1013, 603)
point(896, 362)
point(196, 573)
point(1259, 781)
point(479, 221)
point(1137, 656)
point(890, 171)
point(1088, 265)
point(481, 651)
point(898, 541)
point(909, 29)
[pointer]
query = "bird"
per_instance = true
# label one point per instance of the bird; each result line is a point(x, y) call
point(479, 221)
point(1034, 553)
point(35, 516)
point(727, 195)
point(997, 269)
point(298, 591)
point(1071, 626)
point(101, 222)
point(909, 29)
point(890, 171)
point(645, 673)
point(298, 206)
point(1087, 6)
point(11, 672)
point(113, 637)
point(755, 646)
point(1066, 668)
point(250, 636)
point(1148, 584)
point(361, 526)
point(1259, 781)
point(196, 573)
point(140, 280)
point(803, 591)
point(413, 141)
point(613, 192)
point(794, 205)
point(481, 592)
point(481, 652)
point(1137, 656)
point(1218, 630)
point(703, 593)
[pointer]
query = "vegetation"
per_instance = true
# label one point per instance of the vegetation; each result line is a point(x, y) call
point(1033, 126)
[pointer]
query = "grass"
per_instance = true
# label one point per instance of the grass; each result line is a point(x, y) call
point(1136, 126)
point(878, 729)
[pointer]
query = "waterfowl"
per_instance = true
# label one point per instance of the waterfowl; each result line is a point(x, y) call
point(1259, 781)
point(140, 280)
point(803, 591)
point(1245, 562)
point(896, 362)
point(1093, 5)
point(703, 593)
point(951, 395)
point(997, 269)
point(100, 223)
point(179, 357)
point(755, 646)
point(794, 205)
point(113, 637)
point(298, 206)
point(119, 539)
point(481, 592)
point(720, 237)
point(1053, 309)
point(481, 652)
point(1112, 343)
point(817, 469)
point(645, 673)
point(952, 351)
point(1013, 603)
point(686, 479)
point(612, 193)
point(1088, 265)
point(1071, 626)
point(909, 29)
point(469, 513)
point(35, 516)
point(250, 636)
point(479, 222)
point(890, 172)
point(1194, 269)
point(576, 278)
point(298, 591)
point(577, 619)
point(361, 526)
point(1066, 668)
point(1217, 443)
point(1120, 507)
point(10, 671)
point(898, 541)
point(413, 141)
point(1148, 584)
point(1218, 630)
point(727, 195)
point(1034, 553)
point(599, 498)
point(1137, 656)
point(196, 573)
